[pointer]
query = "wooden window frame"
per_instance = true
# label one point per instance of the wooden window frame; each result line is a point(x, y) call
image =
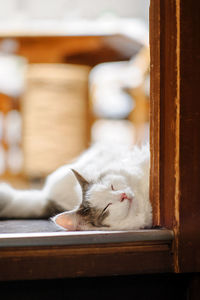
point(175, 169)
point(175, 125)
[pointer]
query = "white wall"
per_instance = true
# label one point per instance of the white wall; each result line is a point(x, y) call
point(65, 9)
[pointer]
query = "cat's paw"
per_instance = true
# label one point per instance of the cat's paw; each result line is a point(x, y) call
point(6, 193)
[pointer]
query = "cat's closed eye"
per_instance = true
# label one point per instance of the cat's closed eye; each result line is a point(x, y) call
point(106, 207)
point(112, 188)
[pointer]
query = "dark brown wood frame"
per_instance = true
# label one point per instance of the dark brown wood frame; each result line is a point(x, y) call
point(175, 125)
point(175, 167)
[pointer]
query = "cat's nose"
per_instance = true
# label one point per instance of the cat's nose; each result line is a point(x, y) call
point(123, 197)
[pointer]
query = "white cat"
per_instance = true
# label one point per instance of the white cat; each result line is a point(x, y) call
point(106, 188)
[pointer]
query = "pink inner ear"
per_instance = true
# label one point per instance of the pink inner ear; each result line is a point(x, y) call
point(66, 220)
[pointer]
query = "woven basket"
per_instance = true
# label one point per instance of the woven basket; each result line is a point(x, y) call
point(55, 116)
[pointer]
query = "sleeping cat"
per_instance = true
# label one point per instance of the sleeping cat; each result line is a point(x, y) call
point(106, 188)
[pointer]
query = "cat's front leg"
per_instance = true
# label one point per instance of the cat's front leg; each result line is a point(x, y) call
point(6, 195)
point(21, 203)
point(61, 192)
point(63, 189)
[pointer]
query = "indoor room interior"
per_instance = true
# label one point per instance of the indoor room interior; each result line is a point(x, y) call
point(83, 70)
point(78, 73)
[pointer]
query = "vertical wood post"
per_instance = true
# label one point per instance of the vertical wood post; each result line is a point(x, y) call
point(175, 125)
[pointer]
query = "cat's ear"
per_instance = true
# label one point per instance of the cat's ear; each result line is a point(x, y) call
point(82, 181)
point(66, 220)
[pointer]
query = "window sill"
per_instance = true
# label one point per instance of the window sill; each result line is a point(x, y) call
point(42, 255)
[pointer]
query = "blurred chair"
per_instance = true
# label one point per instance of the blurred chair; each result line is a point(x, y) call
point(120, 91)
point(139, 91)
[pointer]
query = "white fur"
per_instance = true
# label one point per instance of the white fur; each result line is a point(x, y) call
point(127, 169)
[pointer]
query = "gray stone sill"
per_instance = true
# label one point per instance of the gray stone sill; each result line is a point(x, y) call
point(23, 233)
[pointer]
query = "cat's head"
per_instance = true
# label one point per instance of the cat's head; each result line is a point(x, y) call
point(107, 204)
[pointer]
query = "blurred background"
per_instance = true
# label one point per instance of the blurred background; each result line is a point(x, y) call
point(72, 73)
